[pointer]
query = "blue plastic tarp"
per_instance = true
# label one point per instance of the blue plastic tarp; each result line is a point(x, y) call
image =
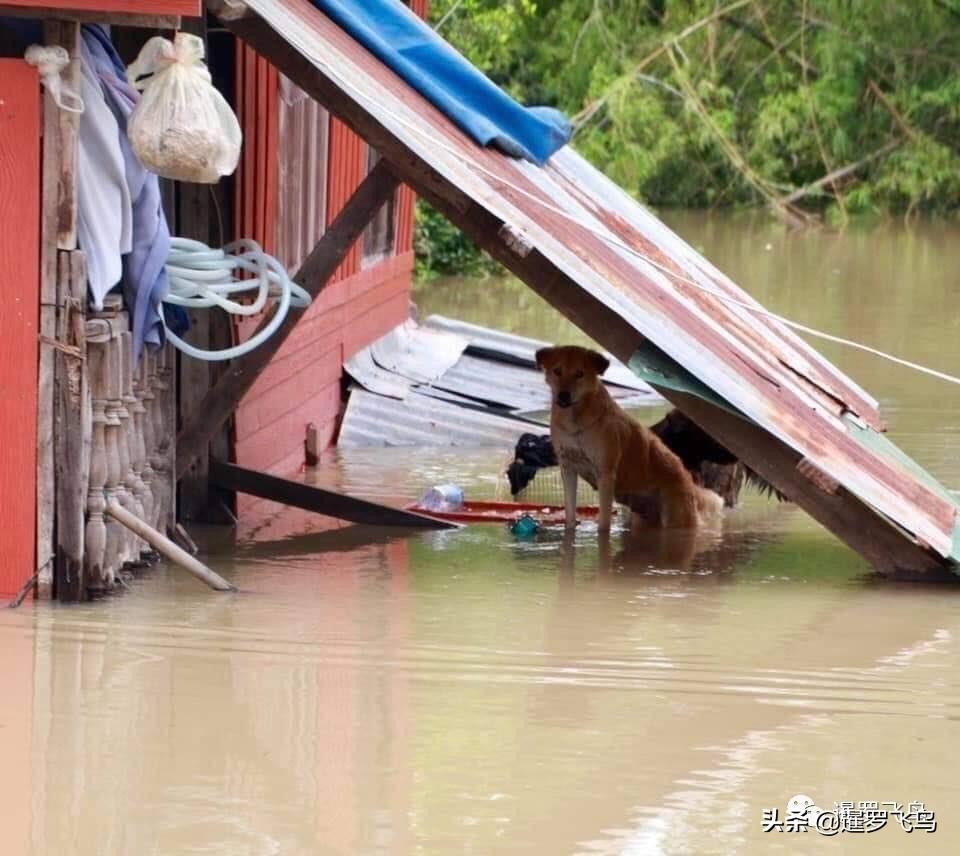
point(408, 46)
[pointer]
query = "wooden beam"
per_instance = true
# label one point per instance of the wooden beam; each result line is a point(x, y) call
point(74, 428)
point(314, 274)
point(889, 550)
point(327, 502)
point(86, 16)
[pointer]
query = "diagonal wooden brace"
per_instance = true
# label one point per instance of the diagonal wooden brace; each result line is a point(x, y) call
point(223, 398)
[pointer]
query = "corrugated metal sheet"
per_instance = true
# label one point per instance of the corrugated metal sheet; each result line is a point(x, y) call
point(500, 374)
point(582, 225)
point(416, 353)
point(420, 420)
point(517, 387)
point(364, 370)
point(507, 347)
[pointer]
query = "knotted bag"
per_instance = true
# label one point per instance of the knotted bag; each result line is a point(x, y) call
point(182, 128)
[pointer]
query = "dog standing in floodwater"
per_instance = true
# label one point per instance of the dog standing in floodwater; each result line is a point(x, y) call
point(597, 441)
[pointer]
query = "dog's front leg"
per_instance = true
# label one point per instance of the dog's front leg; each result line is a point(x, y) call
point(569, 475)
point(605, 491)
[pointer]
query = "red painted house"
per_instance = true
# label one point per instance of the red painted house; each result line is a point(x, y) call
point(298, 168)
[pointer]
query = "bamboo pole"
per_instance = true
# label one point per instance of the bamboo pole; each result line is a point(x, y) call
point(164, 545)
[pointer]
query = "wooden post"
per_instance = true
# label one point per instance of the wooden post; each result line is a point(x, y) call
point(98, 337)
point(58, 229)
point(375, 190)
point(73, 428)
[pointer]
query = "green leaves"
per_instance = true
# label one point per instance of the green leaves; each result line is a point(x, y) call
point(771, 94)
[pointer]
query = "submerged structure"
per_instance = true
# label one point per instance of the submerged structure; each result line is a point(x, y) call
point(572, 235)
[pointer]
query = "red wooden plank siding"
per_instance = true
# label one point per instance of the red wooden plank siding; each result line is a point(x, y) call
point(189, 8)
point(19, 308)
point(255, 200)
point(346, 168)
point(315, 176)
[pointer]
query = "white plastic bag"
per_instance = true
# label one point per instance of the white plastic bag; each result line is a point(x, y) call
point(182, 128)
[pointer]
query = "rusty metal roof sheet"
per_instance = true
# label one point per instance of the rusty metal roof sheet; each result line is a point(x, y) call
point(587, 231)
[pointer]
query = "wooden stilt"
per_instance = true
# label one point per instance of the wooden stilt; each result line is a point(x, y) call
point(58, 229)
point(74, 428)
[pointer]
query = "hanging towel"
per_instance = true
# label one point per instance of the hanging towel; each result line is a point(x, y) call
point(407, 45)
point(104, 210)
point(145, 282)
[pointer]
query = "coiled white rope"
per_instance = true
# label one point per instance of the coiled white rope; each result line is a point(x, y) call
point(203, 278)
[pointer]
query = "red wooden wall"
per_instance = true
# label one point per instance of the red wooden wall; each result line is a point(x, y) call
point(258, 110)
point(303, 383)
point(19, 315)
point(190, 8)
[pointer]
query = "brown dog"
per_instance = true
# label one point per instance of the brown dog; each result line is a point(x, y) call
point(597, 441)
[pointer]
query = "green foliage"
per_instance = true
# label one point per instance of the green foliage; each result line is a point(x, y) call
point(793, 89)
point(441, 248)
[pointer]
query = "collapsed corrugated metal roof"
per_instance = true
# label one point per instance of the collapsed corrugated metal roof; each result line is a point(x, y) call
point(510, 348)
point(422, 420)
point(434, 412)
point(633, 285)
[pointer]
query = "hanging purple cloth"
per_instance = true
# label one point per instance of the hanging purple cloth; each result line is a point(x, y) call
point(144, 282)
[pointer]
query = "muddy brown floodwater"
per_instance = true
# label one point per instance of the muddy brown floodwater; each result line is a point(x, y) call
point(465, 692)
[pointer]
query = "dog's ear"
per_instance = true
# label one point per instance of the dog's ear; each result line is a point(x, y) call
point(544, 358)
point(599, 362)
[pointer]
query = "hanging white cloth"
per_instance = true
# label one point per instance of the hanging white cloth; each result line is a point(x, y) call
point(104, 209)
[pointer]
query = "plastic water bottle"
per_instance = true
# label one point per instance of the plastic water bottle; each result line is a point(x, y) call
point(442, 497)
